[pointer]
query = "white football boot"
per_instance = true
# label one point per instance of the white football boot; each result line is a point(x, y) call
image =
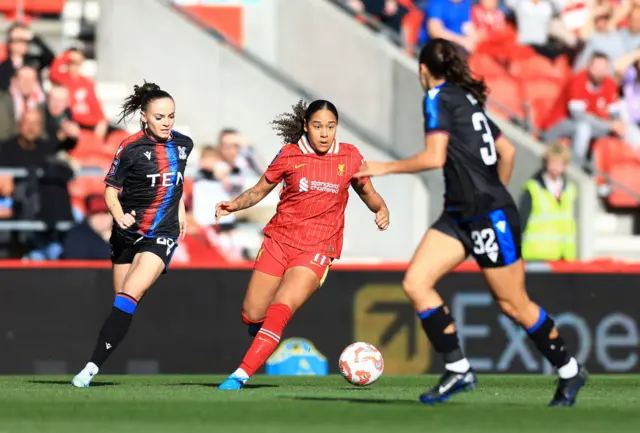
point(84, 378)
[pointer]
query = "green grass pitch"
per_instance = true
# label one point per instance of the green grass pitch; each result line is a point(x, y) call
point(163, 404)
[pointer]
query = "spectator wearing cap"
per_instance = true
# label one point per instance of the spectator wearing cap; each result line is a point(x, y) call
point(20, 39)
point(89, 240)
point(86, 108)
point(24, 93)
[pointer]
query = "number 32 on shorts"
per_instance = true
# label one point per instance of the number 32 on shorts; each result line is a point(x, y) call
point(484, 242)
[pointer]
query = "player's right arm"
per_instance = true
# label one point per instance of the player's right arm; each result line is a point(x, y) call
point(274, 175)
point(247, 199)
point(114, 182)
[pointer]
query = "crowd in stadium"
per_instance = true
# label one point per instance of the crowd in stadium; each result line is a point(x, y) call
point(565, 70)
point(53, 127)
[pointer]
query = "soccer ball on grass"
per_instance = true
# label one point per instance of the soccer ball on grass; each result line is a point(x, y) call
point(361, 364)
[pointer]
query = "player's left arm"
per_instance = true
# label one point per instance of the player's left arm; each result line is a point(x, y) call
point(506, 159)
point(374, 201)
point(505, 150)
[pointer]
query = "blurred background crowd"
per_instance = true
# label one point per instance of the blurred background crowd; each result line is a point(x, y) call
point(565, 71)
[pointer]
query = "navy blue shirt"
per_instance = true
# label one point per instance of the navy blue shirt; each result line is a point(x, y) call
point(472, 185)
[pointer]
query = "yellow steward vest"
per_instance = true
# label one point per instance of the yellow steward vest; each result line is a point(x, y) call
point(551, 229)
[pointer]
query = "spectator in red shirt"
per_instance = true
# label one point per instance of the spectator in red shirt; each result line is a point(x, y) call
point(487, 19)
point(86, 109)
point(587, 108)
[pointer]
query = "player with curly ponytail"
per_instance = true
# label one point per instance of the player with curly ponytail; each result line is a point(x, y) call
point(305, 235)
point(479, 219)
point(144, 195)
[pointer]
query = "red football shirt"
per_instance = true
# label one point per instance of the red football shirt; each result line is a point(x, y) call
point(582, 93)
point(310, 214)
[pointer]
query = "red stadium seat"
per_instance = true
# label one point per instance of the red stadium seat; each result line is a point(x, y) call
point(114, 140)
point(52, 7)
point(89, 143)
point(537, 67)
point(539, 110)
point(486, 66)
point(625, 173)
point(505, 98)
point(541, 89)
point(94, 159)
point(81, 187)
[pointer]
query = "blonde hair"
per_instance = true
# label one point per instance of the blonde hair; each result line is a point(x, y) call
point(558, 151)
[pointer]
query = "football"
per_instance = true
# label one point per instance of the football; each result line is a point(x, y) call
point(361, 364)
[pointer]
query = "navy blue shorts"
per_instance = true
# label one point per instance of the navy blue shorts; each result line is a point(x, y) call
point(125, 245)
point(494, 240)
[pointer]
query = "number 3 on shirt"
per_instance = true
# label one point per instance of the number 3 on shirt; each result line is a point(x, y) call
point(480, 124)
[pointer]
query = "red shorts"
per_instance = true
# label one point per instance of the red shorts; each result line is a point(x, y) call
point(275, 258)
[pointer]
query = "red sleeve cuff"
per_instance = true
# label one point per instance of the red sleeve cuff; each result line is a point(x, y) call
point(267, 176)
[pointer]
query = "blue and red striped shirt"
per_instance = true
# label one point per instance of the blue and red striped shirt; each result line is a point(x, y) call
point(150, 178)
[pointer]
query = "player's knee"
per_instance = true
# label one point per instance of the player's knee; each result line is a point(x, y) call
point(415, 288)
point(252, 315)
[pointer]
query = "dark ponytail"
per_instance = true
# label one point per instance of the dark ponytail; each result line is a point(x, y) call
point(446, 60)
point(141, 97)
point(290, 126)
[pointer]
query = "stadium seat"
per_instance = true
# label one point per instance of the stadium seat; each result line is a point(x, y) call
point(114, 139)
point(486, 66)
point(539, 111)
point(94, 159)
point(625, 173)
point(541, 89)
point(3, 52)
point(537, 67)
point(81, 187)
point(505, 97)
point(89, 143)
point(49, 7)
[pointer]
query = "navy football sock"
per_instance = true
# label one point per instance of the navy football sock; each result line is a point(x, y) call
point(114, 328)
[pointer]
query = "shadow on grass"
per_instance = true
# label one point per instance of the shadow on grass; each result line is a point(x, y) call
point(68, 383)
point(215, 385)
point(359, 400)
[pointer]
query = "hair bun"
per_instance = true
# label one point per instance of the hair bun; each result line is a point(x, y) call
point(145, 88)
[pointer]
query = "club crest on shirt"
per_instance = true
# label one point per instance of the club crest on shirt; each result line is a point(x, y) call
point(114, 167)
point(182, 152)
point(340, 169)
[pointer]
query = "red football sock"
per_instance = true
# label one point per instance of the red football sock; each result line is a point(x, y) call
point(277, 317)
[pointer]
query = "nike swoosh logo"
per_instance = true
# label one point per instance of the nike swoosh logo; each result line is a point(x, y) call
point(299, 165)
point(314, 263)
